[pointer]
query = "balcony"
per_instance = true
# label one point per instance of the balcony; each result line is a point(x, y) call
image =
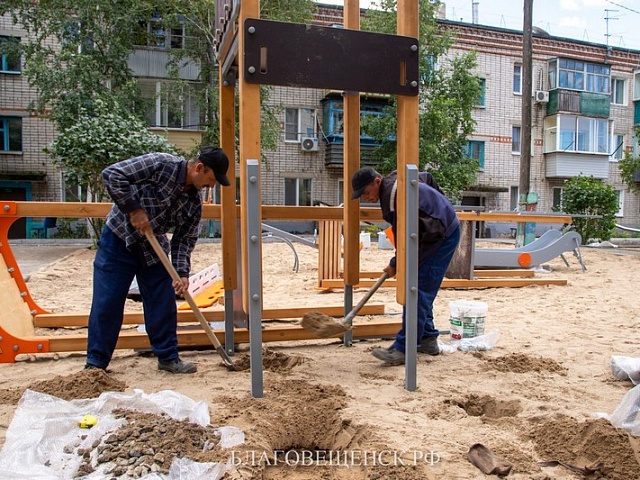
point(587, 104)
point(572, 164)
point(334, 155)
point(152, 62)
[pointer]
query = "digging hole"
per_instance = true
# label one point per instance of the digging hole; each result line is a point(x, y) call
point(487, 406)
point(296, 424)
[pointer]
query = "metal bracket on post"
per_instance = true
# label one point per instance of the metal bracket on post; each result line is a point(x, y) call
point(411, 276)
point(254, 260)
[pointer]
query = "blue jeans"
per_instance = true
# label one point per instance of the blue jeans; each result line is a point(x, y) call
point(114, 267)
point(430, 275)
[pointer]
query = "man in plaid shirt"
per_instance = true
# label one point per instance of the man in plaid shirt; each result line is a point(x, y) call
point(157, 192)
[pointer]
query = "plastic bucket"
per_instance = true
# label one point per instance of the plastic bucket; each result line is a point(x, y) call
point(365, 239)
point(466, 319)
point(383, 242)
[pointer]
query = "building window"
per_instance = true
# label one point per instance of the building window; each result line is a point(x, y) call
point(475, 150)
point(9, 59)
point(620, 212)
point(333, 119)
point(155, 34)
point(513, 198)
point(577, 134)
point(617, 91)
point(340, 192)
point(171, 105)
point(10, 134)
point(483, 88)
point(556, 204)
point(515, 140)
point(618, 147)
point(298, 123)
point(517, 79)
point(579, 75)
point(297, 192)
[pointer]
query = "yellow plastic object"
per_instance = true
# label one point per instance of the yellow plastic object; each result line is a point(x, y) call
point(88, 421)
point(206, 297)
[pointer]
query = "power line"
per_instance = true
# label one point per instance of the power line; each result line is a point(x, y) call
point(622, 6)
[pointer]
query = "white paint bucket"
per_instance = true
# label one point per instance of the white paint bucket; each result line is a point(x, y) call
point(383, 242)
point(365, 239)
point(466, 319)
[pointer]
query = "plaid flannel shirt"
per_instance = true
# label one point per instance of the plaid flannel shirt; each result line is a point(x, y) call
point(155, 182)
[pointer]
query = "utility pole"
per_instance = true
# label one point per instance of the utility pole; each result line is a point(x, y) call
point(527, 93)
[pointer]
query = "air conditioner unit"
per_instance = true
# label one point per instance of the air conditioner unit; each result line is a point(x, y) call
point(542, 96)
point(309, 144)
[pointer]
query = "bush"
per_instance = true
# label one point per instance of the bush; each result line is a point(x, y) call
point(71, 228)
point(594, 199)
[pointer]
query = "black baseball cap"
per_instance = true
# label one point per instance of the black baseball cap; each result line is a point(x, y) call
point(216, 160)
point(361, 179)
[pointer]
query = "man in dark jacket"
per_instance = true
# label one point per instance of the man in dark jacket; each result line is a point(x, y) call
point(153, 192)
point(439, 232)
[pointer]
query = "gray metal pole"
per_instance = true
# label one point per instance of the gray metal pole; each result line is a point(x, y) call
point(254, 234)
point(411, 277)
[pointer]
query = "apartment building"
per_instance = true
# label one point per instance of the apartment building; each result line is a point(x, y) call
point(586, 105)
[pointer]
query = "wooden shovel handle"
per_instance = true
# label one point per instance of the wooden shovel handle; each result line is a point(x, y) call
point(174, 275)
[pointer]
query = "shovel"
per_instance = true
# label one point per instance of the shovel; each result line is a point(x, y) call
point(325, 326)
point(205, 325)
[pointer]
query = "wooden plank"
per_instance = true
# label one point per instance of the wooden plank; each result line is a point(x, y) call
point(457, 283)
point(198, 338)
point(58, 320)
point(269, 212)
point(503, 273)
point(476, 273)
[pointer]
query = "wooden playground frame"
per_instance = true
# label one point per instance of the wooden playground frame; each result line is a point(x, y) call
point(21, 313)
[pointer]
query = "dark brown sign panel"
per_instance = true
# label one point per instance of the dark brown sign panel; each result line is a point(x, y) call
point(299, 55)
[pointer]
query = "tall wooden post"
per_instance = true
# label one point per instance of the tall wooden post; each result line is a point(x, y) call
point(249, 139)
point(351, 153)
point(407, 142)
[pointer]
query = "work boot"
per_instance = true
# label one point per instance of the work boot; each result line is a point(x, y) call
point(176, 366)
point(390, 355)
point(429, 346)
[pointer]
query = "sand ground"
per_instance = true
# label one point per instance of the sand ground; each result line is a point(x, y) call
point(530, 399)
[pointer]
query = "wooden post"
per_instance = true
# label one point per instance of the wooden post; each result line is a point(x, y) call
point(249, 139)
point(351, 153)
point(407, 135)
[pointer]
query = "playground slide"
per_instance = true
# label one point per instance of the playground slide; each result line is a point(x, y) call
point(549, 246)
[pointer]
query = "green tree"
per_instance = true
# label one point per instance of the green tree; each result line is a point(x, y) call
point(448, 93)
point(200, 21)
point(99, 138)
point(75, 52)
point(630, 169)
point(594, 199)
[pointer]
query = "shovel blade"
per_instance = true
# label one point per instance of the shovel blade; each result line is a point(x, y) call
point(226, 359)
point(323, 325)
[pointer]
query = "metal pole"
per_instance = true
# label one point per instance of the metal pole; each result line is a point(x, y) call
point(254, 238)
point(411, 276)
